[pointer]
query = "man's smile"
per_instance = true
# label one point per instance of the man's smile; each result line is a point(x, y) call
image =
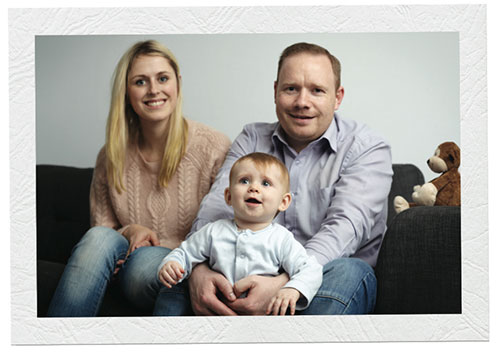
point(301, 117)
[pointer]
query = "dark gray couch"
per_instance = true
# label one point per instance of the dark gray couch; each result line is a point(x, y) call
point(418, 270)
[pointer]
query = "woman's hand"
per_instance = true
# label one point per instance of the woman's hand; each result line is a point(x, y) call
point(204, 284)
point(140, 236)
point(261, 290)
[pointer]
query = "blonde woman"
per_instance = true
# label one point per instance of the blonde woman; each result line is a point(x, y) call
point(148, 182)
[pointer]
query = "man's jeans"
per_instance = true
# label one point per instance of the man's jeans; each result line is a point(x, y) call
point(349, 287)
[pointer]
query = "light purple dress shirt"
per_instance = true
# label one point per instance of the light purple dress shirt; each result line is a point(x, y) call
point(339, 184)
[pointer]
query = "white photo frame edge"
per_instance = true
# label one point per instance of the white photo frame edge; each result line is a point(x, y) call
point(468, 20)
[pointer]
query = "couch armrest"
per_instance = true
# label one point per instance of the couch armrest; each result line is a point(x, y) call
point(419, 264)
point(63, 215)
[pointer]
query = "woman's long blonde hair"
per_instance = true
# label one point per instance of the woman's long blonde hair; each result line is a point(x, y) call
point(124, 126)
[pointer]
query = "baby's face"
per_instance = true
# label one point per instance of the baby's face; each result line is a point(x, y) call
point(256, 194)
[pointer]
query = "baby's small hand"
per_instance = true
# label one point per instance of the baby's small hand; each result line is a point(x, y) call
point(286, 297)
point(171, 273)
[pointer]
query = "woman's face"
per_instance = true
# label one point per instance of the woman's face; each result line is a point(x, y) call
point(152, 88)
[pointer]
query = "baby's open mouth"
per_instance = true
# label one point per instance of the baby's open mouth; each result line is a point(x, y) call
point(253, 201)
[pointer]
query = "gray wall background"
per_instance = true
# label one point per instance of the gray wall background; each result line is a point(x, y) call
point(405, 86)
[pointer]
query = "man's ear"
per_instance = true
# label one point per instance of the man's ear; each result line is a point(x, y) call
point(285, 202)
point(339, 96)
point(275, 90)
point(227, 196)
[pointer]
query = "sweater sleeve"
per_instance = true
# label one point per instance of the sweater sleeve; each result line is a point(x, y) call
point(101, 209)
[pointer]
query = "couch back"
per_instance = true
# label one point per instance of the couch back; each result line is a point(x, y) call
point(63, 216)
point(62, 212)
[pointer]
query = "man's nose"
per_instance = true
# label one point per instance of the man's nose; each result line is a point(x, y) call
point(303, 100)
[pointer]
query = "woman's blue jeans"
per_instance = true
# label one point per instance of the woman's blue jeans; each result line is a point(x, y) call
point(90, 268)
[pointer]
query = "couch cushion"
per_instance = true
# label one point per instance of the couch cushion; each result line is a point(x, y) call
point(48, 275)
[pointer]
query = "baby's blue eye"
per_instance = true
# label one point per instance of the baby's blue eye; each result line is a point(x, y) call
point(244, 181)
point(266, 184)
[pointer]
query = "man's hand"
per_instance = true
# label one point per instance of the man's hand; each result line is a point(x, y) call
point(171, 273)
point(204, 284)
point(140, 236)
point(286, 297)
point(261, 290)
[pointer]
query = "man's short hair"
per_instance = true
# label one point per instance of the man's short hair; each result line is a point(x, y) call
point(263, 160)
point(313, 49)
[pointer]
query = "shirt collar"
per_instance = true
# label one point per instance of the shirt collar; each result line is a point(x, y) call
point(248, 231)
point(330, 135)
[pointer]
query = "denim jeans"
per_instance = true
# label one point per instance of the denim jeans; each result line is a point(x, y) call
point(349, 287)
point(90, 268)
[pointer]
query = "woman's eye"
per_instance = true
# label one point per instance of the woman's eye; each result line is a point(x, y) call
point(163, 79)
point(140, 82)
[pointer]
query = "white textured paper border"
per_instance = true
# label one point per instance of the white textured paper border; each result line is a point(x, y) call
point(468, 20)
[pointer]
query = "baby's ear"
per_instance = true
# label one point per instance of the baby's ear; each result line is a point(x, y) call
point(227, 196)
point(285, 202)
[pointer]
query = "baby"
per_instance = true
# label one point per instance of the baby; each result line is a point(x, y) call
point(251, 244)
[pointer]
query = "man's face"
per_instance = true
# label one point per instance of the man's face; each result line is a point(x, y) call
point(306, 98)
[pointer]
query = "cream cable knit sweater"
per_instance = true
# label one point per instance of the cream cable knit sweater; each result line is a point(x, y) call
point(167, 211)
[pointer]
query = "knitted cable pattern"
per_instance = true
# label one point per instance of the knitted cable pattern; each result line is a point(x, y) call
point(167, 211)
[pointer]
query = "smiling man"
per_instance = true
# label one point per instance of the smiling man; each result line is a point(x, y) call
point(307, 93)
point(340, 177)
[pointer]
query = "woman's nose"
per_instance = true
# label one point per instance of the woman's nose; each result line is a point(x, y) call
point(153, 88)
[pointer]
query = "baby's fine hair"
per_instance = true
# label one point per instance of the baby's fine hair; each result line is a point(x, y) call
point(263, 160)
